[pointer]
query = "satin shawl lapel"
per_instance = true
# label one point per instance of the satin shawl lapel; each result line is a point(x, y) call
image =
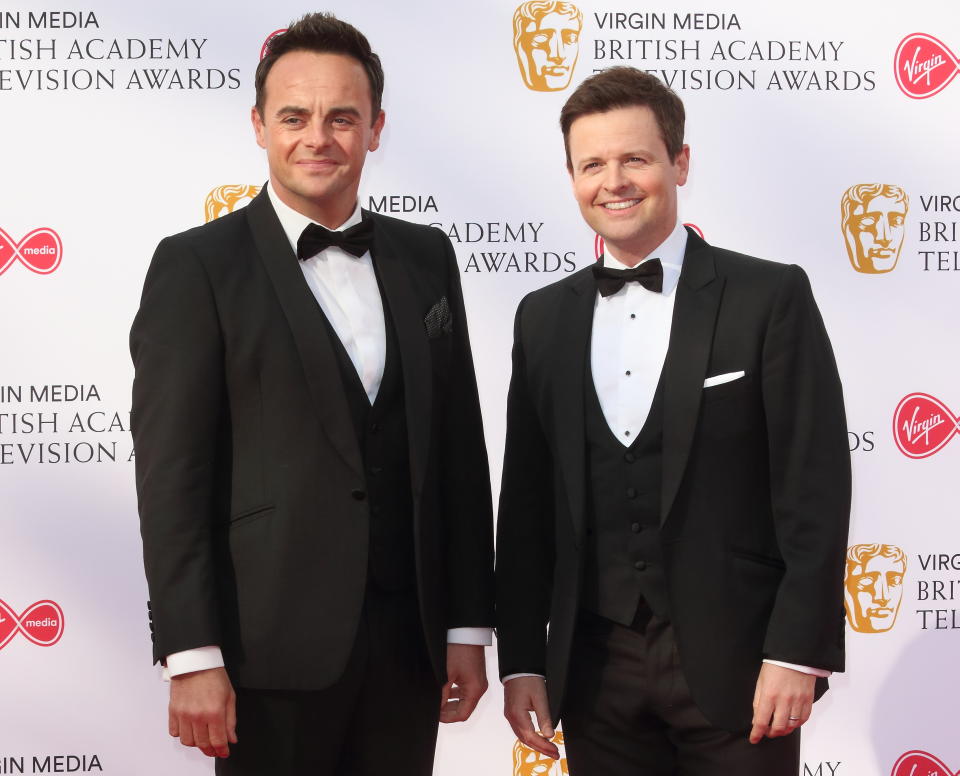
point(401, 304)
point(691, 338)
point(309, 332)
point(572, 337)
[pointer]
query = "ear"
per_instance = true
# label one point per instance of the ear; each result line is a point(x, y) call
point(258, 129)
point(376, 130)
point(682, 163)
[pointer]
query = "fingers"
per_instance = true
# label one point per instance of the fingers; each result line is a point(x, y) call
point(458, 701)
point(782, 702)
point(762, 714)
point(232, 719)
point(521, 697)
point(467, 672)
point(202, 711)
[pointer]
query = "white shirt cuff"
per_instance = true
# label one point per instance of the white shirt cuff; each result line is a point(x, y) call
point(508, 677)
point(481, 637)
point(823, 673)
point(199, 659)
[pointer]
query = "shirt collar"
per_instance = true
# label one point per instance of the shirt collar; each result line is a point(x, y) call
point(294, 223)
point(670, 252)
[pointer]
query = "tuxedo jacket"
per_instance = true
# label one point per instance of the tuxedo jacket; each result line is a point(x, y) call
point(250, 478)
point(755, 488)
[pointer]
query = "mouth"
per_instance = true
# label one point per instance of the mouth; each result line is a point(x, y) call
point(621, 204)
point(316, 164)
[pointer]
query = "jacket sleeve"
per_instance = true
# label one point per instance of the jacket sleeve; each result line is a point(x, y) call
point(465, 476)
point(525, 528)
point(178, 416)
point(809, 479)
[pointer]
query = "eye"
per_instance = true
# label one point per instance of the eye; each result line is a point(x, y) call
point(896, 220)
point(292, 121)
point(868, 221)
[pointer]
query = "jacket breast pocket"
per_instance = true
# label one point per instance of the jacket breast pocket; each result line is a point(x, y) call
point(731, 409)
point(249, 515)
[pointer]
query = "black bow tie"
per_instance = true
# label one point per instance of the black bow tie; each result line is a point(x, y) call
point(356, 240)
point(609, 281)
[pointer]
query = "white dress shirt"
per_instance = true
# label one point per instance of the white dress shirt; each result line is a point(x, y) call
point(346, 289)
point(628, 346)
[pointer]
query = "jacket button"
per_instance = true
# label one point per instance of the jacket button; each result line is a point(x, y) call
point(631, 492)
point(358, 494)
point(629, 458)
point(640, 565)
point(635, 527)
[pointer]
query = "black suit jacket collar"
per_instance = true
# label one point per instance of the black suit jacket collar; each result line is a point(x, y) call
point(304, 316)
point(684, 370)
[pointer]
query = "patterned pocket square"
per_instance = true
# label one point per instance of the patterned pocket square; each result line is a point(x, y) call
point(438, 321)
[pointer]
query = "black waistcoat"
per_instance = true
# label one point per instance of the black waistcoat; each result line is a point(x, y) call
point(623, 558)
point(381, 431)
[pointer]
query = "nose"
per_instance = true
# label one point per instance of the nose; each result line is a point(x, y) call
point(881, 593)
point(883, 230)
point(317, 135)
point(556, 49)
point(614, 179)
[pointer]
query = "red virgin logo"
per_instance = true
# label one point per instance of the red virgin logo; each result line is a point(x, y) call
point(41, 623)
point(922, 425)
point(924, 66)
point(598, 244)
point(265, 48)
point(919, 763)
point(40, 251)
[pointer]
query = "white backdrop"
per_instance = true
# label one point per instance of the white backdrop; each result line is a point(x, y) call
point(113, 168)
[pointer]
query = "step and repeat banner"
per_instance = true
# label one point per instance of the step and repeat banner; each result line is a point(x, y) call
point(822, 134)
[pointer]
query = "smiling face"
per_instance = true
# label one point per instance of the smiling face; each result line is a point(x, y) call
point(624, 179)
point(317, 128)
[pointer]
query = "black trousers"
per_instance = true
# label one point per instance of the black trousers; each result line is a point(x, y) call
point(629, 711)
point(380, 717)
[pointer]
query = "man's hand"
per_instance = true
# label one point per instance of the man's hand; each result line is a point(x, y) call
point(782, 702)
point(203, 711)
point(466, 682)
point(522, 695)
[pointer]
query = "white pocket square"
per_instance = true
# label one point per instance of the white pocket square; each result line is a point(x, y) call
point(721, 379)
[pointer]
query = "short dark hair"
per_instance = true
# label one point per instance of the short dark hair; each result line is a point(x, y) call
point(626, 87)
point(322, 33)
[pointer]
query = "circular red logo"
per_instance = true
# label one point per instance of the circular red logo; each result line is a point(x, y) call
point(922, 425)
point(40, 251)
point(917, 763)
point(923, 66)
point(41, 623)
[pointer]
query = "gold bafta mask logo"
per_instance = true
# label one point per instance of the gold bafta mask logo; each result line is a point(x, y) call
point(226, 199)
point(529, 762)
point(873, 586)
point(546, 37)
point(873, 218)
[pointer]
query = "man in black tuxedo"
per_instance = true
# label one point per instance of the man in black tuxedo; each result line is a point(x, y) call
point(676, 481)
point(311, 469)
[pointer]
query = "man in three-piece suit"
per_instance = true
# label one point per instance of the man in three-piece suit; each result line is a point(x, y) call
point(676, 480)
point(311, 470)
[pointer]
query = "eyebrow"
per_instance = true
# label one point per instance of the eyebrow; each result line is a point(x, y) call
point(339, 110)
